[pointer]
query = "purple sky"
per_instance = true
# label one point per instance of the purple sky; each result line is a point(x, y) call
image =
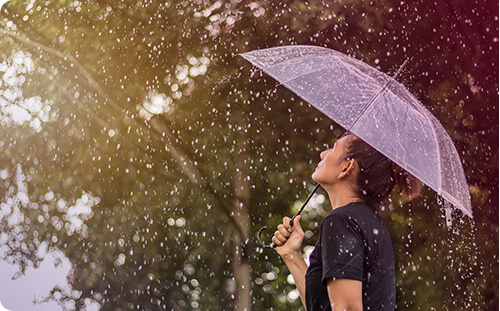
point(18, 295)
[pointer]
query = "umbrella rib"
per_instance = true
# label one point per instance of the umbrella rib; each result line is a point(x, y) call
point(436, 139)
point(296, 77)
point(372, 100)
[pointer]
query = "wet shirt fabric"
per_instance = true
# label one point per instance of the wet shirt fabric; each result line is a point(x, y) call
point(354, 243)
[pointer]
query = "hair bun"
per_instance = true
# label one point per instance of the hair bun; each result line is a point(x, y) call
point(407, 184)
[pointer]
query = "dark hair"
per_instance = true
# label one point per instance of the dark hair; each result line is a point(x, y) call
point(378, 175)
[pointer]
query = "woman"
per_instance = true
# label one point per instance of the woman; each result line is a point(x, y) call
point(352, 265)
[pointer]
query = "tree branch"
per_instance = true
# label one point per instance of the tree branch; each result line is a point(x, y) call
point(185, 162)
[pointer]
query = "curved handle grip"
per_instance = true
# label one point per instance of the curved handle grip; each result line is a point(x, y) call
point(272, 245)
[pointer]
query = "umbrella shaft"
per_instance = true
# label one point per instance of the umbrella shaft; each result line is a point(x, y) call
point(304, 205)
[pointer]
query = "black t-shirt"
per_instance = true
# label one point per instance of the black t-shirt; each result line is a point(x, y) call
point(354, 243)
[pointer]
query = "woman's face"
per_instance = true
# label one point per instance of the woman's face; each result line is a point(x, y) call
point(330, 166)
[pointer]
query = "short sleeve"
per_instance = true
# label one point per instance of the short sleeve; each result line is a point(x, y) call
point(342, 248)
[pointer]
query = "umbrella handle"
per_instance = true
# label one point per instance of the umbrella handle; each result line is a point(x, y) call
point(272, 245)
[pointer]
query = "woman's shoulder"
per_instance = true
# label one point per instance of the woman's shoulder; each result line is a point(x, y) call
point(354, 209)
point(358, 212)
point(355, 217)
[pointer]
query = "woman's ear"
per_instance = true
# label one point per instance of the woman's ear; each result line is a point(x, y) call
point(347, 167)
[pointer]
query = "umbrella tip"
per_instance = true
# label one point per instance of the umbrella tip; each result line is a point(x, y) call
point(396, 75)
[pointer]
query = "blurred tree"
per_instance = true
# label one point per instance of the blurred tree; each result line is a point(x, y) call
point(136, 141)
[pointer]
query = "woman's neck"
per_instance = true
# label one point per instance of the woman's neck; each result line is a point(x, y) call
point(341, 195)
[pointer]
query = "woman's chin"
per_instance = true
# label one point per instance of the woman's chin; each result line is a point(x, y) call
point(319, 179)
point(314, 176)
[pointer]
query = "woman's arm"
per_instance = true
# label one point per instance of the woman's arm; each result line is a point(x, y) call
point(345, 294)
point(288, 242)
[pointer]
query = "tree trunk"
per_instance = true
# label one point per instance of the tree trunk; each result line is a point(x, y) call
point(242, 216)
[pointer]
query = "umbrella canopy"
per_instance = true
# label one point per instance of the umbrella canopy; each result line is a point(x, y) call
point(376, 108)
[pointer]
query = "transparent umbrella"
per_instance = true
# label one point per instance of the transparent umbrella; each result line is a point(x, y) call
point(376, 108)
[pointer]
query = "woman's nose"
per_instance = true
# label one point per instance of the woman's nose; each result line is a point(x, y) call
point(324, 153)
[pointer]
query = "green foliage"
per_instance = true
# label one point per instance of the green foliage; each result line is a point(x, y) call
point(139, 110)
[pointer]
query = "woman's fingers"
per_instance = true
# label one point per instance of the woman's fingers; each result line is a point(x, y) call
point(276, 241)
point(279, 239)
point(282, 234)
point(288, 237)
point(296, 223)
point(283, 231)
point(286, 223)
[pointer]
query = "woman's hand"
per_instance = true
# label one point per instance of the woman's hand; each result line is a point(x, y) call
point(288, 239)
